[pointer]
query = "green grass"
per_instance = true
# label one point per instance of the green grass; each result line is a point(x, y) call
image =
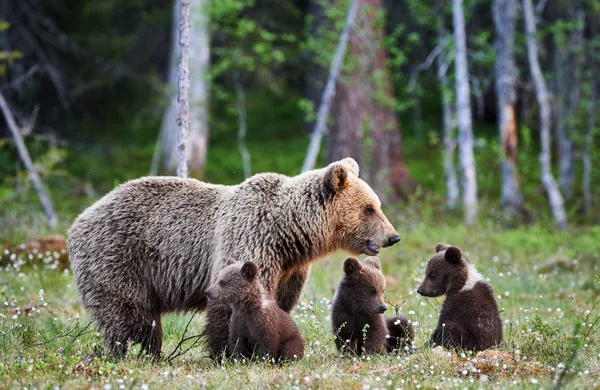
point(546, 281)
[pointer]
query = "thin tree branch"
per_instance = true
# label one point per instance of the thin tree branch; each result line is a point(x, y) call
point(45, 199)
point(184, 88)
point(438, 50)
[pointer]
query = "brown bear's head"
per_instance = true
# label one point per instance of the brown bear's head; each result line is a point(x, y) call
point(360, 225)
point(363, 286)
point(447, 272)
point(237, 283)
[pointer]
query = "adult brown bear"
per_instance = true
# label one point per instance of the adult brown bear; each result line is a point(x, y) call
point(153, 245)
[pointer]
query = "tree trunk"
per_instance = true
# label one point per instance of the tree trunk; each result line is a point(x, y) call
point(452, 190)
point(591, 126)
point(199, 64)
point(329, 92)
point(504, 21)
point(554, 195)
point(183, 97)
point(45, 199)
point(166, 151)
point(463, 110)
point(568, 63)
point(365, 125)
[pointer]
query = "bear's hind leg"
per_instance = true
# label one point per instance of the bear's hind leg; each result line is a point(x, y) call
point(131, 326)
point(152, 338)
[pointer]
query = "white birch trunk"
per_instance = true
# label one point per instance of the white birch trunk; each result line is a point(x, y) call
point(554, 195)
point(166, 151)
point(45, 199)
point(329, 92)
point(463, 111)
point(504, 21)
point(183, 96)
point(452, 189)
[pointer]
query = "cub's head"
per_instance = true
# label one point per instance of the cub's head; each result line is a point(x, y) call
point(363, 285)
point(360, 225)
point(235, 283)
point(447, 272)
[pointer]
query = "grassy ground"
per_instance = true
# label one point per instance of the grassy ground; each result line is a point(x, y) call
point(547, 283)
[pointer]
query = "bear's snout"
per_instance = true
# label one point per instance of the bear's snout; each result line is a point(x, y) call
point(394, 238)
point(426, 293)
point(381, 309)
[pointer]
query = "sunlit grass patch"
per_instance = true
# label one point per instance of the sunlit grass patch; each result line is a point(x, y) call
point(545, 282)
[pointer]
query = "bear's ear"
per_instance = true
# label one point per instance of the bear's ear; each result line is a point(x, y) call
point(249, 270)
point(453, 255)
point(230, 261)
point(336, 178)
point(441, 247)
point(350, 164)
point(373, 262)
point(351, 265)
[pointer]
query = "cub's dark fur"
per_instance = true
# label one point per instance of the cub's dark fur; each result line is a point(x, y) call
point(258, 326)
point(470, 318)
point(357, 313)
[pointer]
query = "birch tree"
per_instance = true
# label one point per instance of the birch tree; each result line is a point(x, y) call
point(448, 124)
point(505, 72)
point(165, 155)
point(463, 112)
point(183, 96)
point(541, 90)
point(568, 68)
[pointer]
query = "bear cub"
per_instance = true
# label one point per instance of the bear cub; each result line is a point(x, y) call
point(469, 318)
point(258, 326)
point(357, 312)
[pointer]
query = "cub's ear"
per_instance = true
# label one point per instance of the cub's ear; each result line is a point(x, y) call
point(373, 262)
point(351, 265)
point(350, 164)
point(453, 255)
point(336, 178)
point(230, 261)
point(249, 270)
point(441, 247)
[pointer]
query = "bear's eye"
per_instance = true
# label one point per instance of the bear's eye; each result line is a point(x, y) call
point(369, 210)
point(221, 283)
point(431, 275)
point(374, 291)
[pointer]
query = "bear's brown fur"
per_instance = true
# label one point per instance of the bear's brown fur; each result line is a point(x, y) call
point(357, 312)
point(258, 326)
point(153, 245)
point(469, 318)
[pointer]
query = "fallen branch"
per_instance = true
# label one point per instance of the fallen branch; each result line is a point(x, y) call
point(26, 158)
point(329, 93)
point(177, 351)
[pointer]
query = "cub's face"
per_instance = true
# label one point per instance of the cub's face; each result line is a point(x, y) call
point(361, 226)
point(443, 269)
point(234, 281)
point(364, 285)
